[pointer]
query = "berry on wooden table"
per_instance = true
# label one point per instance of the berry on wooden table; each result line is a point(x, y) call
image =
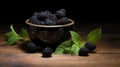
point(47, 52)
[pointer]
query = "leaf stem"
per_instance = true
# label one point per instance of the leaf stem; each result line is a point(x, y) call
point(11, 27)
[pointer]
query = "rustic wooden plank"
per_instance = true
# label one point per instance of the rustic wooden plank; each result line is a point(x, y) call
point(107, 54)
point(31, 60)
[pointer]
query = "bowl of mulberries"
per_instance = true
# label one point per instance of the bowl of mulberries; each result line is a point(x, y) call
point(48, 28)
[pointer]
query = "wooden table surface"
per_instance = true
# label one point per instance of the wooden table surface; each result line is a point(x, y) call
point(107, 55)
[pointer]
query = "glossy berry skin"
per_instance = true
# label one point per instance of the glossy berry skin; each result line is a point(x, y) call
point(90, 46)
point(83, 51)
point(47, 52)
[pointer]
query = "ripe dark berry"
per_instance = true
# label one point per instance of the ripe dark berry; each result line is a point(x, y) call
point(49, 14)
point(42, 16)
point(53, 17)
point(83, 51)
point(31, 47)
point(47, 52)
point(60, 13)
point(63, 20)
point(49, 22)
point(90, 46)
point(34, 20)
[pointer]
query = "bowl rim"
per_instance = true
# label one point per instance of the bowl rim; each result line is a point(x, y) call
point(50, 26)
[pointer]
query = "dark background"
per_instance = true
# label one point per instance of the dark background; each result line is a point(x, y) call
point(81, 12)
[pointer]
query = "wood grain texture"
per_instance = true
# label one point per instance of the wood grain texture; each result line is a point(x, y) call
point(107, 54)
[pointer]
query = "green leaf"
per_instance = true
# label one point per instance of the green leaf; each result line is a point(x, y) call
point(76, 37)
point(94, 36)
point(24, 33)
point(75, 49)
point(67, 50)
point(66, 43)
point(61, 49)
point(12, 36)
point(8, 35)
point(12, 40)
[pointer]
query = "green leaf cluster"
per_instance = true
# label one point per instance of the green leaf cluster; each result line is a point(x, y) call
point(12, 37)
point(73, 45)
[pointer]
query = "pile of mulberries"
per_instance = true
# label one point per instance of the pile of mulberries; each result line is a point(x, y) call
point(31, 47)
point(49, 18)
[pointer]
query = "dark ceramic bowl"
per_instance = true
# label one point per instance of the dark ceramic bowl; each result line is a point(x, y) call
point(49, 35)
